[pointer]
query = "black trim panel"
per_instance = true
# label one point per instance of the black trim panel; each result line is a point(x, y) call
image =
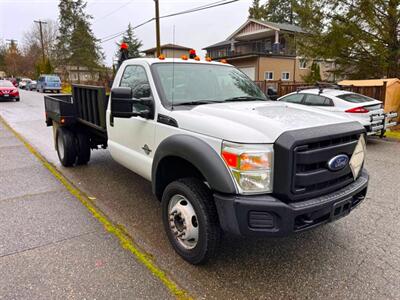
point(199, 154)
point(163, 119)
point(268, 216)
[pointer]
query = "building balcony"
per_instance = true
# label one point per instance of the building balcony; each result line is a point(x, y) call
point(252, 49)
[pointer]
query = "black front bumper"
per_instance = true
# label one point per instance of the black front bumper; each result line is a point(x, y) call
point(265, 215)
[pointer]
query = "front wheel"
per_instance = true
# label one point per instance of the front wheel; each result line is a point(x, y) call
point(190, 220)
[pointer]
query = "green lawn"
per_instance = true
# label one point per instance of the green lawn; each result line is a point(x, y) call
point(393, 134)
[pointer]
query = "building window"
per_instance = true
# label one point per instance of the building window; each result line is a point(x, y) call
point(303, 64)
point(269, 75)
point(285, 76)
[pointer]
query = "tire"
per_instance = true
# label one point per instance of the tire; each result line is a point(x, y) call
point(16, 99)
point(199, 198)
point(83, 149)
point(65, 145)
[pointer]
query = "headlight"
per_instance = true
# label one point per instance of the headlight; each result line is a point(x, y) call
point(251, 166)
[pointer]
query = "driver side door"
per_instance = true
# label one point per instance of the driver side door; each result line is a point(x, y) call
point(131, 140)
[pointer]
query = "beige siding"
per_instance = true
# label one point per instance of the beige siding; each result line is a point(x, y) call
point(169, 53)
point(277, 66)
point(246, 63)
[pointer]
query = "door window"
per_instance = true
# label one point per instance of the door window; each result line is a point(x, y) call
point(135, 77)
point(317, 100)
point(295, 98)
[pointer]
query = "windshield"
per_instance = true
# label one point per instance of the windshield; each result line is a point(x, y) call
point(189, 83)
point(355, 98)
point(53, 79)
point(6, 83)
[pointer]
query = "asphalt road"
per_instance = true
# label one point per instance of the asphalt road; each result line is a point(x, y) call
point(357, 257)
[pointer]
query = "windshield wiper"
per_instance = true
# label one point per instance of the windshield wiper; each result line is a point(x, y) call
point(196, 102)
point(245, 98)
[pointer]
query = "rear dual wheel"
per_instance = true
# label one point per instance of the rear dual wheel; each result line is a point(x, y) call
point(72, 148)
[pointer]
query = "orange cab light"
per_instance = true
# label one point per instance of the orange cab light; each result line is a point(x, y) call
point(197, 58)
point(208, 58)
point(184, 57)
point(62, 121)
point(231, 159)
point(224, 61)
point(161, 57)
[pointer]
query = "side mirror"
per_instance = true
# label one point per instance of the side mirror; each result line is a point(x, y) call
point(122, 104)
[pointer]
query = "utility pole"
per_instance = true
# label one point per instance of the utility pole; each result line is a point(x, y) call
point(12, 42)
point(158, 46)
point(41, 37)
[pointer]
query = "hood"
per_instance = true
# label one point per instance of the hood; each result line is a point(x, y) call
point(252, 122)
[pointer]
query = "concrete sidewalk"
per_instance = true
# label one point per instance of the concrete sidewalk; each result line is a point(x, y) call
point(51, 246)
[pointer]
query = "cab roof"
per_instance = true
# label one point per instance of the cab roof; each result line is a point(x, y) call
point(151, 61)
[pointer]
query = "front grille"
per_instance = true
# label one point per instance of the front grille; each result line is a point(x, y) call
point(301, 161)
point(311, 171)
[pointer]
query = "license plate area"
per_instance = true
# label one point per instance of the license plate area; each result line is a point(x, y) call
point(341, 209)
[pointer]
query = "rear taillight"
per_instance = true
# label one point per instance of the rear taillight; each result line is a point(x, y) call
point(358, 110)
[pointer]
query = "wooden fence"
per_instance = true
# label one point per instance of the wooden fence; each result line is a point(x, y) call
point(285, 87)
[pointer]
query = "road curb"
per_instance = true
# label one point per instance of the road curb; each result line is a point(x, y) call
point(125, 241)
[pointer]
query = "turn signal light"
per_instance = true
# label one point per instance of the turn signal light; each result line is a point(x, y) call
point(197, 58)
point(208, 59)
point(184, 57)
point(357, 110)
point(224, 61)
point(161, 57)
point(231, 159)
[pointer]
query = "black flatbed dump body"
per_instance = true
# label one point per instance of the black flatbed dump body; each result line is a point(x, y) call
point(84, 110)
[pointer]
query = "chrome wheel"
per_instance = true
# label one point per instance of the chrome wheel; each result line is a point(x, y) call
point(60, 146)
point(183, 221)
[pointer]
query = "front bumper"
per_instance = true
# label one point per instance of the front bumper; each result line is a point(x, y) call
point(265, 215)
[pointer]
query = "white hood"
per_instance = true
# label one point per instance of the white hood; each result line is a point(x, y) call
point(252, 122)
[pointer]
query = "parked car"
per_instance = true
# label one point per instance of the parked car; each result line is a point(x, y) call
point(23, 82)
point(219, 155)
point(8, 91)
point(368, 111)
point(48, 83)
point(13, 81)
point(31, 85)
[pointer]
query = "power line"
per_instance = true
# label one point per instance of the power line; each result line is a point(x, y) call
point(195, 9)
point(112, 12)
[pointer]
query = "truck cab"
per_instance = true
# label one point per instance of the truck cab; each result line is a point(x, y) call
point(220, 156)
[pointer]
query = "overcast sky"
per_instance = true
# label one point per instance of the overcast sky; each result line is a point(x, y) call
point(195, 30)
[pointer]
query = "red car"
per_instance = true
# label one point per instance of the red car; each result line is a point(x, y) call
point(8, 91)
point(13, 81)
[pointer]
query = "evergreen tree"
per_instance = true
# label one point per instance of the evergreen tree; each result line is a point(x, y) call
point(363, 37)
point(84, 48)
point(134, 44)
point(76, 43)
point(279, 11)
point(315, 74)
point(257, 11)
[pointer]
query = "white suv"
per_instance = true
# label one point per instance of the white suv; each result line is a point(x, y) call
point(368, 111)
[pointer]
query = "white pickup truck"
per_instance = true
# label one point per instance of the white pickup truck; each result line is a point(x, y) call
point(219, 155)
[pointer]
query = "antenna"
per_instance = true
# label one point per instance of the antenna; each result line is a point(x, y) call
point(173, 68)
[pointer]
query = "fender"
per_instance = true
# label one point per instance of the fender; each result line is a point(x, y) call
point(201, 155)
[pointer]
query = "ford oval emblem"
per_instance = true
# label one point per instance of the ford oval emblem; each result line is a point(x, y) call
point(338, 162)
